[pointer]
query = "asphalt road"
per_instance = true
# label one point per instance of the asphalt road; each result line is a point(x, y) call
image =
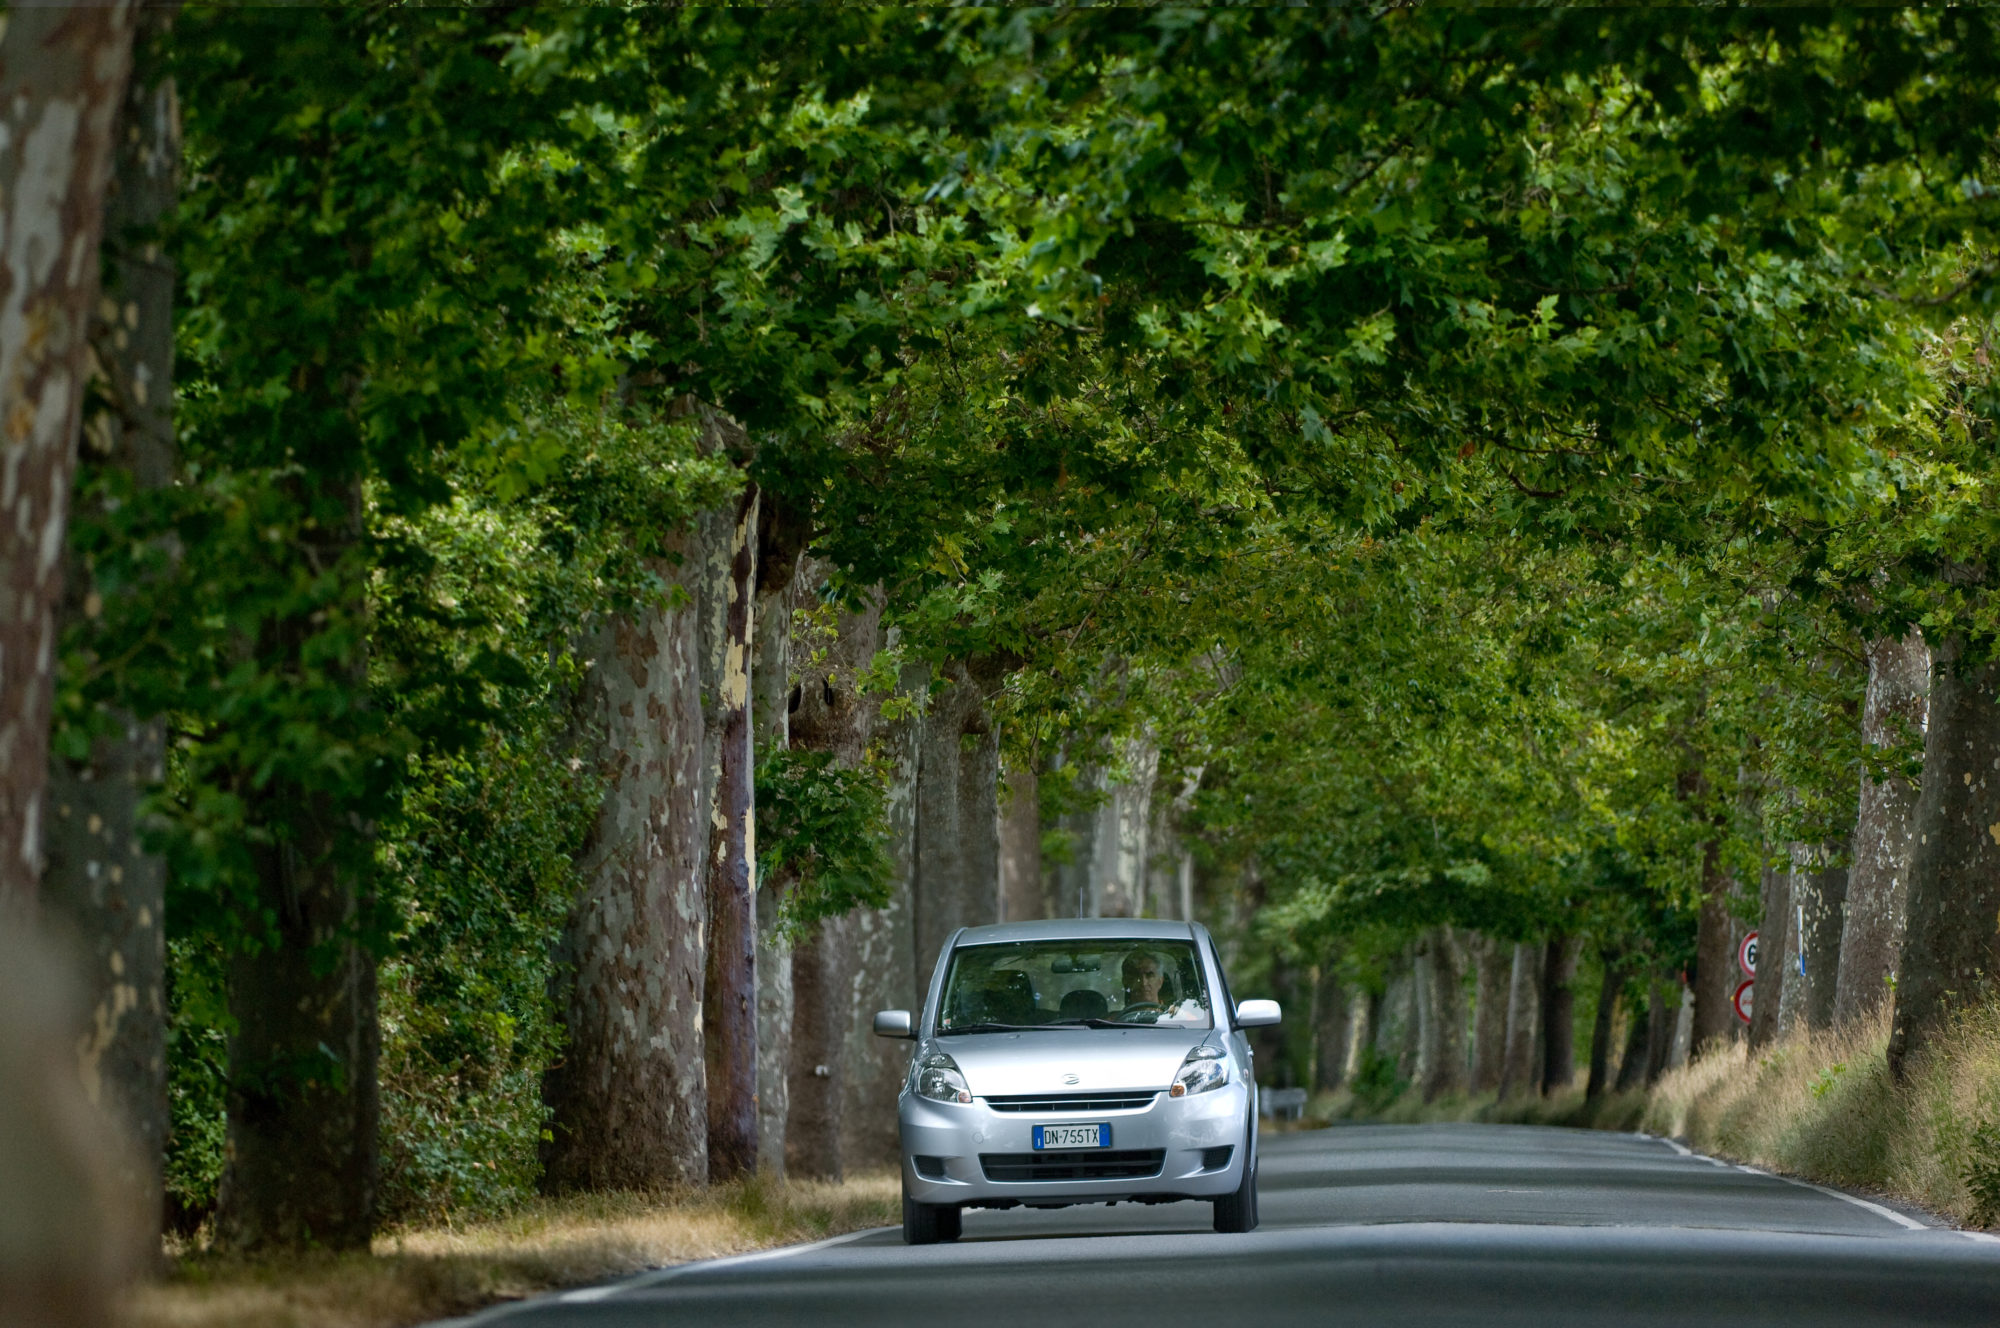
point(1457, 1224)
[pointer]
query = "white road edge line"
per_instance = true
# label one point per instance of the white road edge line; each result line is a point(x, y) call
point(1907, 1223)
point(651, 1277)
point(1983, 1236)
point(755, 1257)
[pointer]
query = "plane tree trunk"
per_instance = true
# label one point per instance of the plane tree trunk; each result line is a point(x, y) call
point(1885, 831)
point(1632, 1064)
point(1021, 849)
point(729, 1006)
point(829, 714)
point(1445, 1069)
point(1489, 1013)
point(303, 1104)
point(780, 535)
point(1519, 1070)
point(1812, 938)
point(1332, 1020)
point(1604, 1025)
point(630, 1096)
point(1715, 967)
point(1558, 1014)
point(1951, 950)
point(99, 880)
point(1767, 997)
point(957, 877)
point(63, 76)
point(883, 951)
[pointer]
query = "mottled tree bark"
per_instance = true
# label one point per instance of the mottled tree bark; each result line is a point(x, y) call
point(1489, 1013)
point(978, 809)
point(1558, 1014)
point(1951, 946)
point(1402, 1018)
point(1664, 1005)
point(828, 714)
point(98, 880)
point(1826, 916)
point(1717, 935)
point(1445, 1068)
point(1812, 938)
point(884, 946)
point(1775, 891)
point(1331, 1020)
point(73, 1235)
point(1021, 849)
point(957, 819)
point(63, 73)
point(1520, 1070)
point(1604, 1025)
point(630, 1096)
point(1885, 832)
point(1127, 834)
point(1632, 1064)
point(779, 536)
point(729, 1006)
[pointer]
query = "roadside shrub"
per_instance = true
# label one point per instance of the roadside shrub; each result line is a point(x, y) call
point(1375, 1083)
point(1982, 1175)
point(484, 870)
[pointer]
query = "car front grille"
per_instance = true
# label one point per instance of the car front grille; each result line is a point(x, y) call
point(1072, 1102)
point(1082, 1164)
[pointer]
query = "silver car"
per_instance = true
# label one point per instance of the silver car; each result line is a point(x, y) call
point(1094, 1060)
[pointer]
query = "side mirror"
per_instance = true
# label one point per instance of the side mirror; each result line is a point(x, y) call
point(896, 1023)
point(1249, 1014)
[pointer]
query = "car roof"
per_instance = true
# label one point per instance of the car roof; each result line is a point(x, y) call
point(1079, 929)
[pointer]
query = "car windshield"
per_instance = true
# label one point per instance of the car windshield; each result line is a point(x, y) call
point(1092, 984)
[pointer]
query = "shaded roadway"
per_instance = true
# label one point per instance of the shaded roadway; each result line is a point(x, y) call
point(1428, 1224)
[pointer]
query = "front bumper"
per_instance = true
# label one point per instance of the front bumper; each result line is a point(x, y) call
point(950, 1139)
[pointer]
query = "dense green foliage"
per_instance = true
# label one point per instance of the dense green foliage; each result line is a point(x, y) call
point(1470, 446)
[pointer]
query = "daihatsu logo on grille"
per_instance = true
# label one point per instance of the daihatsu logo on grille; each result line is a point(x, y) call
point(1070, 1079)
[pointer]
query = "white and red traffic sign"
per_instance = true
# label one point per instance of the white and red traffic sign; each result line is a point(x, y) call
point(1746, 955)
point(1741, 1000)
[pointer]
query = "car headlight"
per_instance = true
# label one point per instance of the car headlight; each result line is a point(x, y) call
point(1204, 1068)
point(939, 1080)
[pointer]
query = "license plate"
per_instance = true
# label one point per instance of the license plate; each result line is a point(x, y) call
point(1072, 1136)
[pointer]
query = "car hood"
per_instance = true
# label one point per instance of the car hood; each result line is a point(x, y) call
point(1045, 1060)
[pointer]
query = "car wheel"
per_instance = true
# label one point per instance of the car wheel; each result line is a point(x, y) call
point(927, 1224)
point(1237, 1212)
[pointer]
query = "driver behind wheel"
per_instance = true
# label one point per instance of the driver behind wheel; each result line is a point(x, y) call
point(1144, 977)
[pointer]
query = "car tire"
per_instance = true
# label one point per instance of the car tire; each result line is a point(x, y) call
point(1236, 1213)
point(927, 1224)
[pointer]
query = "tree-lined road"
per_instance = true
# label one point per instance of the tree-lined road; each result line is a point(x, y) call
point(1374, 1224)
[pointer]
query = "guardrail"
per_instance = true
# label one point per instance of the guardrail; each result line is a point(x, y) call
point(1283, 1104)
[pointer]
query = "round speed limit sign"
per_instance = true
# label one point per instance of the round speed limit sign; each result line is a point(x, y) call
point(1746, 955)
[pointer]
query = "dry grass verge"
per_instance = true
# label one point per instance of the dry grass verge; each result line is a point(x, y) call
point(421, 1274)
point(1822, 1106)
point(1817, 1105)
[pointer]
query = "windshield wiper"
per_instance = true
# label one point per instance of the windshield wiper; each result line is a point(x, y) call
point(988, 1027)
point(1092, 1023)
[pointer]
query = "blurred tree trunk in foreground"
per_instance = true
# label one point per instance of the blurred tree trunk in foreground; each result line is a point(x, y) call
point(63, 74)
point(99, 880)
